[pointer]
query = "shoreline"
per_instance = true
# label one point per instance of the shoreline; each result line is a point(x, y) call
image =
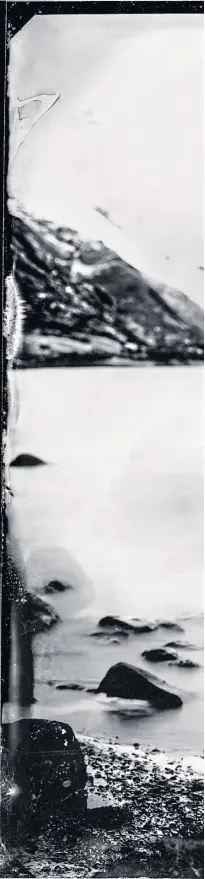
point(144, 818)
point(80, 363)
point(66, 688)
point(156, 756)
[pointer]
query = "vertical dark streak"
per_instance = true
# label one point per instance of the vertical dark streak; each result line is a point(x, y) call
point(6, 265)
point(6, 269)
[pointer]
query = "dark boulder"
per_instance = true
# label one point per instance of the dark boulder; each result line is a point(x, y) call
point(159, 655)
point(49, 764)
point(185, 663)
point(118, 625)
point(39, 615)
point(27, 461)
point(168, 624)
point(128, 682)
point(55, 586)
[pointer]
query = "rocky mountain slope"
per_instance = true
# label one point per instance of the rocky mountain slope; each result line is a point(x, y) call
point(83, 305)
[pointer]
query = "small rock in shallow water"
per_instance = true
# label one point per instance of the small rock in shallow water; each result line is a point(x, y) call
point(168, 624)
point(185, 663)
point(69, 687)
point(27, 461)
point(159, 655)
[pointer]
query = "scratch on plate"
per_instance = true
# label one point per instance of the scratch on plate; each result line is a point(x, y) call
point(24, 115)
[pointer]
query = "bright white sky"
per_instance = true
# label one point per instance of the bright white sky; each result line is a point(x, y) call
point(126, 135)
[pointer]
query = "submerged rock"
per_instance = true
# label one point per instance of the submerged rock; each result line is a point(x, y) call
point(159, 655)
point(185, 663)
point(118, 625)
point(69, 687)
point(91, 690)
point(39, 614)
point(181, 645)
point(128, 682)
point(55, 586)
point(27, 461)
point(168, 624)
point(105, 635)
point(49, 764)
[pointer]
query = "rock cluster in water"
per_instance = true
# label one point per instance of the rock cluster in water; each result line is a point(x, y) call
point(113, 627)
point(84, 305)
point(117, 624)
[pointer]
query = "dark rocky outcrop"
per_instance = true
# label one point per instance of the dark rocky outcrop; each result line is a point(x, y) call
point(185, 663)
point(27, 461)
point(117, 625)
point(128, 682)
point(159, 655)
point(55, 586)
point(49, 764)
point(84, 305)
point(39, 615)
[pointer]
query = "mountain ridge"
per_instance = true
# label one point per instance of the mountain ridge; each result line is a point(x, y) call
point(83, 304)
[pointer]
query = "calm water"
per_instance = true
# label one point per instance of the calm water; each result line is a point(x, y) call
point(118, 513)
